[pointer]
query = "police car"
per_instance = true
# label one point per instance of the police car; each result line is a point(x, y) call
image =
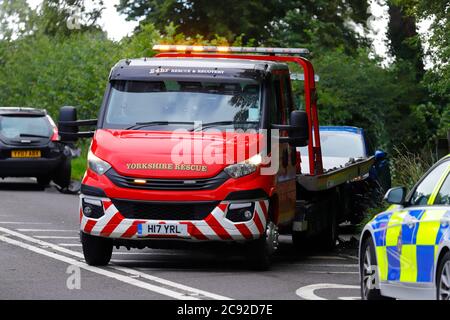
point(405, 251)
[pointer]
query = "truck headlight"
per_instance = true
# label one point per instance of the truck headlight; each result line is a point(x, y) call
point(244, 168)
point(97, 165)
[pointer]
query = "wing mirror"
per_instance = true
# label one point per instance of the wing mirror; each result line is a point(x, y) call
point(68, 125)
point(298, 129)
point(380, 155)
point(396, 196)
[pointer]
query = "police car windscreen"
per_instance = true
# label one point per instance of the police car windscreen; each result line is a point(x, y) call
point(132, 102)
point(15, 127)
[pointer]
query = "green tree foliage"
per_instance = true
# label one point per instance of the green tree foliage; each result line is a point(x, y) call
point(62, 17)
point(321, 25)
point(41, 72)
point(436, 80)
point(47, 65)
point(230, 18)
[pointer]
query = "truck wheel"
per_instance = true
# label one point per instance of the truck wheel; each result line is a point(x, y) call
point(328, 238)
point(63, 174)
point(260, 251)
point(43, 181)
point(443, 278)
point(368, 271)
point(97, 251)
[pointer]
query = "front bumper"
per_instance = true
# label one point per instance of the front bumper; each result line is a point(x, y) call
point(215, 227)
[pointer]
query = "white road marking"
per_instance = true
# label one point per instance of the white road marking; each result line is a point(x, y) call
point(350, 257)
point(69, 244)
point(56, 237)
point(329, 265)
point(146, 253)
point(46, 230)
point(326, 258)
point(171, 284)
point(125, 270)
point(109, 274)
point(26, 223)
point(307, 292)
point(333, 272)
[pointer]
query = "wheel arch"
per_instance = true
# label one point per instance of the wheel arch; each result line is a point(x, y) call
point(441, 255)
point(274, 209)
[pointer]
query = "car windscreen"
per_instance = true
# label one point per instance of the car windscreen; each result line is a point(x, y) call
point(13, 127)
point(340, 145)
point(132, 102)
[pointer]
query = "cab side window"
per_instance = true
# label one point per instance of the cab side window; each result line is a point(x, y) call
point(275, 111)
point(282, 102)
point(424, 190)
point(443, 197)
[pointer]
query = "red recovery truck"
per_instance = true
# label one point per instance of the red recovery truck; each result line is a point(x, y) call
point(183, 151)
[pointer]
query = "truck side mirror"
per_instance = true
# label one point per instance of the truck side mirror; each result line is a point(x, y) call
point(380, 155)
point(67, 132)
point(396, 196)
point(300, 129)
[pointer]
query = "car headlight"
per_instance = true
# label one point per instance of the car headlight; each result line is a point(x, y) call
point(97, 165)
point(244, 168)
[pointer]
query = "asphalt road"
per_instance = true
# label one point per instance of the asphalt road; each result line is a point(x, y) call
point(40, 258)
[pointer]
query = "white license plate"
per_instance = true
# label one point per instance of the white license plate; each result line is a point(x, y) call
point(155, 229)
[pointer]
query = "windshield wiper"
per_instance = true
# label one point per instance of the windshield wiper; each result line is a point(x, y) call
point(140, 125)
point(223, 123)
point(26, 135)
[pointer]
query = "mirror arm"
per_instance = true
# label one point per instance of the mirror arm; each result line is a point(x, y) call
point(79, 123)
point(87, 134)
point(283, 127)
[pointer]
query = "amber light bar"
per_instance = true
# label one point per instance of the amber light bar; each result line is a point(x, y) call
point(182, 48)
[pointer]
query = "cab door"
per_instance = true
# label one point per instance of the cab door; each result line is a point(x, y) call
point(412, 261)
point(281, 108)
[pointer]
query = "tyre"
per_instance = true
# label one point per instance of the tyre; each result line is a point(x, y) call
point(328, 237)
point(43, 181)
point(443, 278)
point(368, 272)
point(63, 174)
point(97, 251)
point(260, 252)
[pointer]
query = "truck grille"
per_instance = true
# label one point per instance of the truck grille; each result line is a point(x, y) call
point(168, 184)
point(181, 211)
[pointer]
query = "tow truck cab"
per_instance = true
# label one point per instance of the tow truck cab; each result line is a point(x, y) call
point(179, 153)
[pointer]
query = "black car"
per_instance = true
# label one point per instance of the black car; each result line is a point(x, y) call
point(30, 147)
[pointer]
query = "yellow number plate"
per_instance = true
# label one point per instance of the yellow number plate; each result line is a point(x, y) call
point(26, 154)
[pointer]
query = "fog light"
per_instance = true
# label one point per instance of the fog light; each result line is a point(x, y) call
point(240, 212)
point(92, 208)
point(248, 215)
point(87, 211)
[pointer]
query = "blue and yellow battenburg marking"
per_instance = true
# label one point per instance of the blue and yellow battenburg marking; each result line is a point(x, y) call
point(407, 252)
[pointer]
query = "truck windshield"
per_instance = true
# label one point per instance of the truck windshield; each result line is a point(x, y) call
point(179, 104)
point(17, 127)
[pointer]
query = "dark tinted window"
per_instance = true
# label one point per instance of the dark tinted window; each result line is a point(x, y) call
point(424, 190)
point(443, 197)
point(13, 127)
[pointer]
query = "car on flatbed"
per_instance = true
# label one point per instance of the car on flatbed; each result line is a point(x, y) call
point(343, 145)
point(30, 147)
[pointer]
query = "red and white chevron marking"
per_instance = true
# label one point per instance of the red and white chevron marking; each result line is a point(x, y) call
point(214, 227)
